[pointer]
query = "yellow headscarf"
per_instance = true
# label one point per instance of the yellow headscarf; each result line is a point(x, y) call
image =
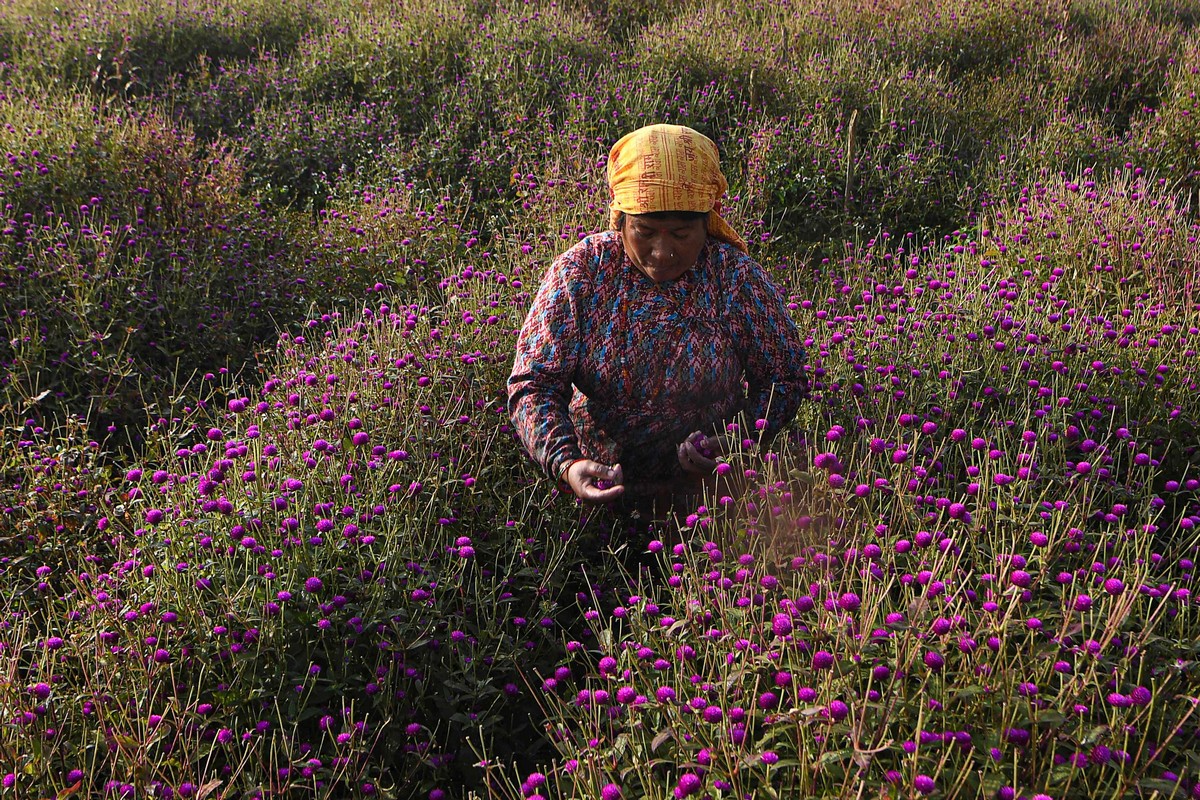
point(669, 168)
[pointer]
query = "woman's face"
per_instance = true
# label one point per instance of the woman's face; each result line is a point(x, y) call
point(663, 248)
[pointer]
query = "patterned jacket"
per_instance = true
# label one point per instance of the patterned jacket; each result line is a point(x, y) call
point(613, 367)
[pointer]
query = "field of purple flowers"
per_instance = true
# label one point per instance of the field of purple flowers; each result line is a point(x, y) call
point(267, 531)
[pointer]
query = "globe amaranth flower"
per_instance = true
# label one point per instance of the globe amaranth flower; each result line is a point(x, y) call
point(827, 461)
point(838, 710)
point(532, 783)
point(689, 784)
point(1118, 700)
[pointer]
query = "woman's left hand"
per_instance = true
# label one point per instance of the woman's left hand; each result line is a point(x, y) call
point(698, 454)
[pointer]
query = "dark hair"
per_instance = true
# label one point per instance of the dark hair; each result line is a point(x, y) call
point(682, 216)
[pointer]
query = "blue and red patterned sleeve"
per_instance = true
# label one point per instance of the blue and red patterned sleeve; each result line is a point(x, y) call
point(540, 386)
point(772, 346)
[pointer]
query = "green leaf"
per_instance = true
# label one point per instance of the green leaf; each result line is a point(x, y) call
point(968, 692)
point(1168, 788)
point(834, 756)
point(1051, 718)
point(1061, 774)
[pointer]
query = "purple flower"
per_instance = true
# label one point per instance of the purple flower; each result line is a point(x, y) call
point(770, 757)
point(689, 784)
point(934, 660)
point(154, 516)
point(313, 585)
point(610, 792)
point(822, 659)
point(1114, 586)
point(1117, 699)
point(781, 624)
point(827, 461)
point(924, 784)
point(531, 783)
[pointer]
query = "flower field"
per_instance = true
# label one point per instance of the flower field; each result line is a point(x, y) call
point(267, 530)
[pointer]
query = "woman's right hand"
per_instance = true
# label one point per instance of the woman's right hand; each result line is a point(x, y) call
point(584, 475)
point(698, 454)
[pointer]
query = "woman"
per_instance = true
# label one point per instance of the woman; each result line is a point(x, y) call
point(646, 343)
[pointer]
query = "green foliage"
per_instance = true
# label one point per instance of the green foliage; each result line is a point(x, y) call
point(127, 49)
point(397, 52)
point(301, 596)
point(1173, 133)
point(109, 286)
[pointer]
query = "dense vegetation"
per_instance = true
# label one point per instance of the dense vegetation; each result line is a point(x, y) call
point(266, 530)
